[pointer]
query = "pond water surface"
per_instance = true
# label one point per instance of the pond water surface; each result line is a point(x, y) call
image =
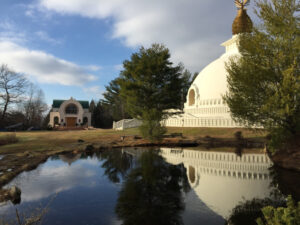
point(159, 186)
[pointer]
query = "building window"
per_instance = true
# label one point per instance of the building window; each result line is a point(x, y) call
point(56, 120)
point(191, 97)
point(71, 109)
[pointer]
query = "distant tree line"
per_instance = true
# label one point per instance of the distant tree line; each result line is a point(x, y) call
point(22, 104)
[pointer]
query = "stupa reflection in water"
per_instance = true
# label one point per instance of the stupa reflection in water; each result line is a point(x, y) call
point(222, 180)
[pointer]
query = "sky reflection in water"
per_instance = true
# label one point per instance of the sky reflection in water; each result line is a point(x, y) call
point(134, 186)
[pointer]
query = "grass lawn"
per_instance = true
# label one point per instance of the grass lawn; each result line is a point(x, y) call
point(59, 140)
point(50, 140)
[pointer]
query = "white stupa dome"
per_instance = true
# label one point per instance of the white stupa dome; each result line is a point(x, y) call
point(204, 106)
point(211, 82)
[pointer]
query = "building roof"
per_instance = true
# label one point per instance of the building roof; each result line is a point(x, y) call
point(57, 103)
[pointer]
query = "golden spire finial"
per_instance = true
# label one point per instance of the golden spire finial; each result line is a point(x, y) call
point(242, 23)
point(240, 4)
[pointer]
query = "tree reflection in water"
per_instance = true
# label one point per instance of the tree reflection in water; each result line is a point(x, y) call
point(152, 192)
point(116, 164)
point(247, 212)
point(285, 183)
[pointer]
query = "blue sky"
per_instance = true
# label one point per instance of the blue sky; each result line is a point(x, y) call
point(75, 47)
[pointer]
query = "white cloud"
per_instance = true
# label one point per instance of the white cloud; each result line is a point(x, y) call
point(43, 67)
point(191, 29)
point(54, 179)
point(6, 25)
point(10, 32)
point(35, 12)
point(94, 91)
point(94, 68)
point(42, 35)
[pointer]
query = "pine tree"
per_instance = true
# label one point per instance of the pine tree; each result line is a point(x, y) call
point(114, 101)
point(264, 83)
point(92, 109)
point(150, 84)
point(102, 115)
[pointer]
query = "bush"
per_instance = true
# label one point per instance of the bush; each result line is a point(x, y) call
point(8, 139)
point(152, 130)
point(281, 216)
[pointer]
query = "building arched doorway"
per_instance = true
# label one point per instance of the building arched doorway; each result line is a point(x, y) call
point(56, 120)
point(191, 97)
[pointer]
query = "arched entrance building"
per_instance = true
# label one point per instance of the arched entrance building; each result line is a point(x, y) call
point(70, 113)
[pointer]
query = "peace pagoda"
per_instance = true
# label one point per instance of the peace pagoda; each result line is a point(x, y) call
point(204, 106)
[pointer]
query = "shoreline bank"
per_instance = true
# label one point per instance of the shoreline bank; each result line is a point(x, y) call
point(15, 162)
point(35, 148)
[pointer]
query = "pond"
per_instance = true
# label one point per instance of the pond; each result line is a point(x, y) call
point(151, 186)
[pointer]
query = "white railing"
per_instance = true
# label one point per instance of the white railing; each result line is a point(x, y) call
point(126, 123)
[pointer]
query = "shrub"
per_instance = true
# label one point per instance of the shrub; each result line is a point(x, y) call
point(8, 139)
point(152, 130)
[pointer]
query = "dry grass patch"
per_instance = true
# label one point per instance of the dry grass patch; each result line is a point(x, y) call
point(40, 141)
point(8, 139)
point(218, 132)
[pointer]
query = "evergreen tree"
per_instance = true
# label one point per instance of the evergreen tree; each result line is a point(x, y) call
point(187, 80)
point(46, 121)
point(92, 109)
point(264, 83)
point(114, 101)
point(150, 84)
point(194, 76)
point(102, 115)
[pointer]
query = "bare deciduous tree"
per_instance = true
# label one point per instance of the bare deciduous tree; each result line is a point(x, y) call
point(34, 106)
point(12, 87)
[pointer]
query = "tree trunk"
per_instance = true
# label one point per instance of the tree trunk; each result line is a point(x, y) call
point(5, 106)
